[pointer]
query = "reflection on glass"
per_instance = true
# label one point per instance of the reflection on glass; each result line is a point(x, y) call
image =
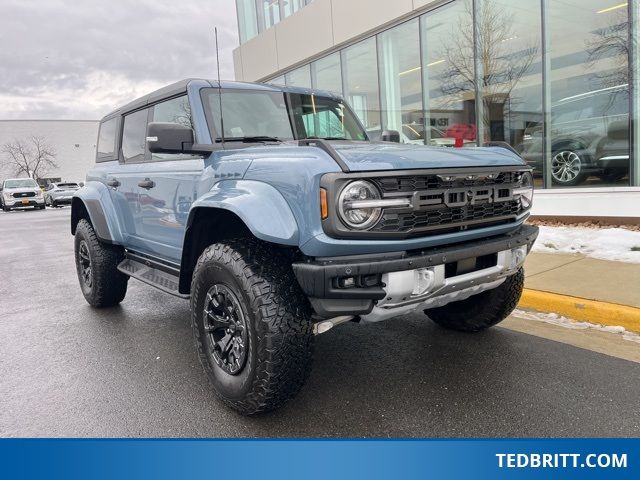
point(247, 19)
point(511, 84)
point(300, 77)
point(291, 6)
point(277, 80)
point(327, 73)
point(589, 93)
point(400, 81)
point(361, 83)
point(269, 11)
point(448, 76)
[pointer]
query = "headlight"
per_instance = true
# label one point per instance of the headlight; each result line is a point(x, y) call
point(357, 205)
point(39, 194)
point(525, 191)
point(7, 196)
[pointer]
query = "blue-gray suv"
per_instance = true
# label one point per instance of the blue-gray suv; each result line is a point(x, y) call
point(272, 211)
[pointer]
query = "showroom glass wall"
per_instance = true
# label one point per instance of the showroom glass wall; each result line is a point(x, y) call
point(551, 79)
point(255, 16)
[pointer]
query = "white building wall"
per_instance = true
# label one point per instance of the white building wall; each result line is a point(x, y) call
point(73, 140)
point(313, 30)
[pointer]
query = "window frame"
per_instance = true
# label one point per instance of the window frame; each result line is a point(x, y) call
point(114, 154)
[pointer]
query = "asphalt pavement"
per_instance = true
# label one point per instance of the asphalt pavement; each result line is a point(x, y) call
point(69, 370)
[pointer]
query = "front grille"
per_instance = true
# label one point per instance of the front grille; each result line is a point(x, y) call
point(445, 218)
point(24, 194)
point(447, 203)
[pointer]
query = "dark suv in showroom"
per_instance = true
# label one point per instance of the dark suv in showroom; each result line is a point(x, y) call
point(589, 136)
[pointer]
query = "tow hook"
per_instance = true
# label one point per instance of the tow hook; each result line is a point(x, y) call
point(326, 325)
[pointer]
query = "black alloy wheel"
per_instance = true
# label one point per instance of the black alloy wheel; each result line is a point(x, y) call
point(226, 329)
point(85, 264)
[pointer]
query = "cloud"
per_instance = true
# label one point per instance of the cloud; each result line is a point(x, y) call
point(80, 59)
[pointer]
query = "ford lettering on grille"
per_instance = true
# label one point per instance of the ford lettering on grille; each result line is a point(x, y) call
point(459, 197)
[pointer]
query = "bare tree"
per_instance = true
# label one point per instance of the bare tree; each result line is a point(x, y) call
point(610, 44)
point(501, 67)
point(33, 157)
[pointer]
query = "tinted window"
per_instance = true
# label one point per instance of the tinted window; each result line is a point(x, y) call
point(107, 139)
point(134, 136)
point(176, 110)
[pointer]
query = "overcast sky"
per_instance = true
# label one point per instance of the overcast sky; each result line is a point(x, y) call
point(80, 59)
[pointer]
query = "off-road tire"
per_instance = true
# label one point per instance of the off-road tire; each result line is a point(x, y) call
point(6, 209)
point(108, 285)
point(483, 310)
point(280, 334)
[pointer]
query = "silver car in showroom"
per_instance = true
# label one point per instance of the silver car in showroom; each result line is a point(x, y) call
point(58, 194)
point(21, 192)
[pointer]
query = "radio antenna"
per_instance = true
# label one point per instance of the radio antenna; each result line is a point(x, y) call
point(215, 30)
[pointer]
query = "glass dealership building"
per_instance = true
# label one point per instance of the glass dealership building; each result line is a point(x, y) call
point(557, 80)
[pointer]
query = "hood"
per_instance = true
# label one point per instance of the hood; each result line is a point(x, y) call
point(370, 156)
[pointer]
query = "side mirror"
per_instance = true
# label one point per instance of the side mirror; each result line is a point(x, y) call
point(390, 136)
point(81, 184)
point(169, 138)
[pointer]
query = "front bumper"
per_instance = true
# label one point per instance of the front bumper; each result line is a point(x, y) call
point(62, 199)
point(466, 266)
point(26, 202)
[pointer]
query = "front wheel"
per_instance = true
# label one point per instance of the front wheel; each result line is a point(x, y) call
point(251, 325)
point(483, 310)
point(102, 284)
point(567, 168)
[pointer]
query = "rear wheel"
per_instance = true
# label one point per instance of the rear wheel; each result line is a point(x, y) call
point(251, 325)
point(102, 284)
point(483, 310)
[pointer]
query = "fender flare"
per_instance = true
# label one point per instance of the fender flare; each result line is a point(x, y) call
point(259, 205)
point(96, 200)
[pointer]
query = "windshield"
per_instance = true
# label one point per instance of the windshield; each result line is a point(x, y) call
point(20, 183)
point(254, 115)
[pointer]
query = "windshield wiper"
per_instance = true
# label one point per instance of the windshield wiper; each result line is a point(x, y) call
point(325, 138)
point(256, 138)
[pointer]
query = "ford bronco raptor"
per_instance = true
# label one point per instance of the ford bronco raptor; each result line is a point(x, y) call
point(272, 211)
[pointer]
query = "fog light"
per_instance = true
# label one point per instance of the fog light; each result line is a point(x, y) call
point(346, 282)
point(518, 256)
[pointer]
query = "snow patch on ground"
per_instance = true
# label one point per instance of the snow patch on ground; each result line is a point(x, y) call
point(555, 319)
point(615, 244)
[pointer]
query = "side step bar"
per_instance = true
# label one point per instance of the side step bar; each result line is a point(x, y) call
point(148, 273)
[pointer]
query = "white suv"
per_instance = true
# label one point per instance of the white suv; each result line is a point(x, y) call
point(21, 192)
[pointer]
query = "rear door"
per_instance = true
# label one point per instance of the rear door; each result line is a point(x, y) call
point(168, 186)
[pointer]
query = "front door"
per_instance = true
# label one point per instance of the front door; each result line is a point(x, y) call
point(167, 185)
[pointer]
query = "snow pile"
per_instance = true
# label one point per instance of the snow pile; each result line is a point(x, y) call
point(555, 319)
point(616, 244)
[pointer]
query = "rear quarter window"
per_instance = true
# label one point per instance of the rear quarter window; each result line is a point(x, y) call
point(107, 140)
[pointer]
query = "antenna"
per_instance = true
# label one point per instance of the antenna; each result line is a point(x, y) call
point(215, 30)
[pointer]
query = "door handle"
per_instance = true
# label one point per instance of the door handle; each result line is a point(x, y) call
point(113, 183)
point(146, 183)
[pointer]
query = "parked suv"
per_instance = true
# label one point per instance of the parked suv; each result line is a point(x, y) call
point(20, 193)
point(58, 194)
point(272, 212)
point(589, 136)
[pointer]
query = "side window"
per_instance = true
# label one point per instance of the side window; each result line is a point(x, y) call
point(176, 110)
point(134, 135)
point(107, 140)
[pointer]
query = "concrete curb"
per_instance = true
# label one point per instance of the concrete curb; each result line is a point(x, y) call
point(576, 308)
